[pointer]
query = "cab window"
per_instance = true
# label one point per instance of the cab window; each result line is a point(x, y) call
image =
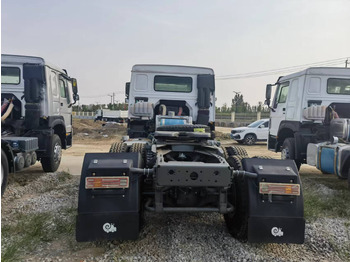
point(281, 94)
point(63, 88)
point(10, 75)
point(173, 84)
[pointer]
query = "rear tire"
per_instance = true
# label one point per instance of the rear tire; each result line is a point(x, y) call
point(250, 139)
point(51, 164)
point(288, 150)
point(236, 150)
point(118, 147)
point(4, 171)
point(237, 221)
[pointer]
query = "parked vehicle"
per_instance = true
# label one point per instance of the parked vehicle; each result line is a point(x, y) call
point(119, 116)
point(174, 165)
point(311, 106)
point(36, 113)
point(256, 131)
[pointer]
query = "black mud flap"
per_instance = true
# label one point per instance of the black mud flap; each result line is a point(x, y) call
point(274, 218)
point(109, 213)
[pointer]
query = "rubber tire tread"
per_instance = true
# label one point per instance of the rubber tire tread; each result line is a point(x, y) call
point(236, 150)
point(183, 128)
point(118, 147)
point(5, 167)
point(47, 163)
point(237, 221)
point(290, 143)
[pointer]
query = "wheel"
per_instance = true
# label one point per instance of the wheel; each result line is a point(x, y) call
point(288, 150)
point(118, 147)
point(237, 221)
point(51, 164)
point(140, 148)
point(250, 139)
point(235, 162)
point(4, 171)
point(225, 153)
point(236, 150)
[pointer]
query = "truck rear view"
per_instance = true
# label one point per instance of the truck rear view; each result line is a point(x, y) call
point(171, 163)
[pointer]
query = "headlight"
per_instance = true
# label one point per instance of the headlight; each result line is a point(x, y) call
point(237, 131)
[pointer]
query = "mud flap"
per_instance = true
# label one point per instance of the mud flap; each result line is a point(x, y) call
point(109, 213)
point(274, 218)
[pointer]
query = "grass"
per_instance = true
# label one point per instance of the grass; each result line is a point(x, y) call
point(335, 202)
point(30, 230)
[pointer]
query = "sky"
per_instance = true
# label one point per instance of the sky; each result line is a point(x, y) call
point(98, 42)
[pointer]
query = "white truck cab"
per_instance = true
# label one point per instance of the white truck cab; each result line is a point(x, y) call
point(160, 89)
point(303, 106)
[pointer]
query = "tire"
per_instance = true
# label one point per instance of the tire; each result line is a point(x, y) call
point(236, 150)
point(237, 221)
point(183, 128)
point(262, 157)
point(235, 162)
point(250, 139)
point(51, 164)
point(4, 171)
point(118, 147)
point(288, 150)
point(140, 148)
point(225, 153)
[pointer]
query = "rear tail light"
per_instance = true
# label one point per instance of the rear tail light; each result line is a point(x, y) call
point(279, 189)
point(106, 182)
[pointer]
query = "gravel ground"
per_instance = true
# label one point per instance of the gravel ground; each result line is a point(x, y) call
point(165, 237)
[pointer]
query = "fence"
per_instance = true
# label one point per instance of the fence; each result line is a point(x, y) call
point(239, 119)
point(222, 119)
point(83, 115)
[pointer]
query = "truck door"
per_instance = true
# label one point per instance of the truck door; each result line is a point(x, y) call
point(65, 111)
point(279, 106)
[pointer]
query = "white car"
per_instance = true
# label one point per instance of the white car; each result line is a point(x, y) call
point(256, 131)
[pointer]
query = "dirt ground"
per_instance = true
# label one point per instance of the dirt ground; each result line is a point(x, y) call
point(49, 201)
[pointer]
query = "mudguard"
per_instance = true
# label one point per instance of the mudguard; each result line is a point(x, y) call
point(109, 213)
point(274, 218)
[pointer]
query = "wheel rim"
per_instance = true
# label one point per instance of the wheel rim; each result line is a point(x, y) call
point(57, 153)
point(285, 153)
point(250, 140)
point(2, 174)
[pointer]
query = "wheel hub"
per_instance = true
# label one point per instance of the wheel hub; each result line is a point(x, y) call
point(57, 153)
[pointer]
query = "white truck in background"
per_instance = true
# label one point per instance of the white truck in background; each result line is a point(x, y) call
point(36, 114)
point(119, 116)
point(310, 119)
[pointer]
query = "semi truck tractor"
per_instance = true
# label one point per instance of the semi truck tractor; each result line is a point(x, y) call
point(310, 118)
point(171, 163)
point(36, 113)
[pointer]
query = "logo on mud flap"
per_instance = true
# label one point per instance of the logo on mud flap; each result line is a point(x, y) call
point(109, 228)
point(277, 232)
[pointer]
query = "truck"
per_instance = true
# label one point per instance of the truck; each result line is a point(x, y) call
point(310, 118)
point(36, 113)
point(170, 163)
point(118, 116)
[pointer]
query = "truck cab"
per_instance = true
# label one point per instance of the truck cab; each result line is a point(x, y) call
point(303, 107)
point(36, 99)
point(157, 89)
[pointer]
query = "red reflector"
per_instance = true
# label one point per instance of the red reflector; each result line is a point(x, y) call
point(279, 189)
point(107, 182)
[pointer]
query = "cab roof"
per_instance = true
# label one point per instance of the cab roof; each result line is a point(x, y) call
point(171, 69)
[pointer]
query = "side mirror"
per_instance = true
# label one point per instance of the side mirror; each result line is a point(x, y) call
point(268, 94)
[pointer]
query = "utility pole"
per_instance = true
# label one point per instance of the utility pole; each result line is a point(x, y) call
point(113, 101)
point(237, 93)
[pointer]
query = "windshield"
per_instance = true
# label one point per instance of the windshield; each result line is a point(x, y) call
point(256, 123)
point(10, 75)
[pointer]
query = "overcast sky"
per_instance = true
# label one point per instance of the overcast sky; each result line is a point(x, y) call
point(99, 41)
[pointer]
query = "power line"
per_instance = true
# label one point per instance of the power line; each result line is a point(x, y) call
point(332, 62)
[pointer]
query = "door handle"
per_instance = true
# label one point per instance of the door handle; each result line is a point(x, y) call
point(283, 109)
point(61, 104)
